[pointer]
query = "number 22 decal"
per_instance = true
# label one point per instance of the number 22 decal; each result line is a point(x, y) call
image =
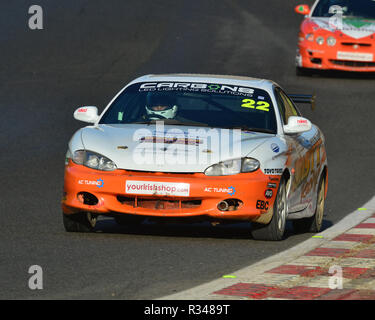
point(259, 105)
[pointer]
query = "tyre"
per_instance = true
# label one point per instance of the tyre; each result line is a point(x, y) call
point(302, 72)
point(275, 229)
point(79, 222)
point(313, 224)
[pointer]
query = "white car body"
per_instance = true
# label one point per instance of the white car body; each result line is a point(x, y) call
point(296, 150)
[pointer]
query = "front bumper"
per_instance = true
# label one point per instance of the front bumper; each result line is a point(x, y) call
point(116, 192)
point(345, 58)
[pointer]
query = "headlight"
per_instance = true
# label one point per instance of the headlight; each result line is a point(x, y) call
point(331, 41)
point(93, 160)
point(310, 37)
point(68, 156)
point(320, 40)
point(79, 156)
point(231, 167)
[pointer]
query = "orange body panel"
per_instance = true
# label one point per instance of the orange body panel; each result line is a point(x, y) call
point(205, 192)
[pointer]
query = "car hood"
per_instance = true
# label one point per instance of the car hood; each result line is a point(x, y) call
point(170, 148)
point(352, 27)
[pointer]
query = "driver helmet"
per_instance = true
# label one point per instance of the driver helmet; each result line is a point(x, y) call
point(160, 106)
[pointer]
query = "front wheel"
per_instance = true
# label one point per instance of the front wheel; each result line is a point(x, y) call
point(79, 222)
point(300, 72)
point(128, 220)
point(276, 228)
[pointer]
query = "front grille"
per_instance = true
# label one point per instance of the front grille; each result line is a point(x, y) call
point(346, 63)
point(352, 44)
point(160, 173)
point(159, 204)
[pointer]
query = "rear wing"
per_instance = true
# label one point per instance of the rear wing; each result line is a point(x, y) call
point(303, 98)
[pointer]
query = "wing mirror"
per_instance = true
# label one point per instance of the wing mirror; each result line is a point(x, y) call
point(86, 114)
point(297, 125)
point(302, 9)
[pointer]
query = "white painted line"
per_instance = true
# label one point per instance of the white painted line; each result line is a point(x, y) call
point(342, 244)
point(313, 261)
point(358, 263)
point(323, 282)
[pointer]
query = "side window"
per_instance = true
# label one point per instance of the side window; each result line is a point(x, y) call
point(290, 109)
point(280, 103)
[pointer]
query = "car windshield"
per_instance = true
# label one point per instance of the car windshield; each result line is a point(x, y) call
point(348, 8)
point(196, 104)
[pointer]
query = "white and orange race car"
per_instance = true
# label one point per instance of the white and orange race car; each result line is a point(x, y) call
point(203, 147)
point(337, 35)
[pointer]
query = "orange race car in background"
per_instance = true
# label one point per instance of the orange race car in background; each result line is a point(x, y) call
point(337, 35)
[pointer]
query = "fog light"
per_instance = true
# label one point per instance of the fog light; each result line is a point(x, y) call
point(320, 40)
point(331, 41)
point(223, 206)
point(229, 205)
point(87, 198)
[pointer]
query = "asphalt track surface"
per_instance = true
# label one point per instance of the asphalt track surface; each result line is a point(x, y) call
point(87, 51)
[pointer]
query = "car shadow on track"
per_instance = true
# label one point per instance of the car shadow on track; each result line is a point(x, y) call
point(239, 230)
point(311, 73)
point(188, 230)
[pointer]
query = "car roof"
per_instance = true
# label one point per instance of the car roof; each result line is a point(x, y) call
point(207, 78)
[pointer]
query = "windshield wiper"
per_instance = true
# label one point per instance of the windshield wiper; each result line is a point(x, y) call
point(358, 17)
point(172, 122)
point(246, 128)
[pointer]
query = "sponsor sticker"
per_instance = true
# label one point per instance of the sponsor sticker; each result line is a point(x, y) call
point(230, 190)
point(169, 140)
point(275, 148)
point(355, 56)
point(157, 188)
point(201, 87)
point(271, 185)
point(273, 171)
